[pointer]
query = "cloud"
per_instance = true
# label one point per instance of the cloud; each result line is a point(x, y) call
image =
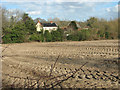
point(111, 12)
point(113, 9)
point(34, 12)
point(71, 10)
point(59, 1)
point(67, 10)
point(75, 6)
point(81, 1)
point(108, 9)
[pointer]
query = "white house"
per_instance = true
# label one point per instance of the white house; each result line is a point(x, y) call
point(46, 26)
point(39, 26)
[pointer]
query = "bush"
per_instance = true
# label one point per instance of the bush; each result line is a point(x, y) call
point(73, 37)
point(47, 36)
point(56, 36)
point(36, 37)
point(7, 38)
point(79, 35)
point(14, 37)
point(106, 35)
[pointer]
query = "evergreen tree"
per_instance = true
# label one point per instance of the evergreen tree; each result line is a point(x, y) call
point(29, 23)
point(16, 34)
point(61, 32)
point(47, 36)
point(56, 36)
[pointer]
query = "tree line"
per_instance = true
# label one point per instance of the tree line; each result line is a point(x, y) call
point(18, 27)
point(97, 29)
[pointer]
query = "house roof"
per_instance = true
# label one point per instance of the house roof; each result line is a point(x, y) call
point(49, 25)
point(38, 21)
point(78, 26)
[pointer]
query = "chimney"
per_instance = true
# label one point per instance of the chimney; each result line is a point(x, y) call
point(51, 22)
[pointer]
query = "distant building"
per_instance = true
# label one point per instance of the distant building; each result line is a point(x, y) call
point(46, 26)
point(74, 24)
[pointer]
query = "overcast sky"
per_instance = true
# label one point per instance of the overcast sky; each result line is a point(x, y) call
point(62, 9)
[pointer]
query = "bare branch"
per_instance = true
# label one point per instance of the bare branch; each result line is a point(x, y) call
point(52, 67)
point(60, 81)
point(5, 48)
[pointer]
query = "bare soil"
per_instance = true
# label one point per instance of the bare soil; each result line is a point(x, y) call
point(28, 65)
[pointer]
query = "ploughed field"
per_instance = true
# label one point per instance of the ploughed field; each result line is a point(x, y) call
point(85, 64)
